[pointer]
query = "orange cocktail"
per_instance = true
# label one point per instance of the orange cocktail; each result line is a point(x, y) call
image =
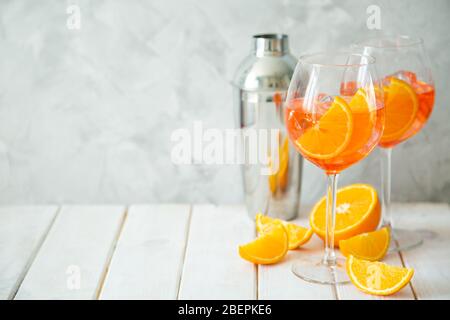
point(333, 128)
point(408, 103)
point(339, 133)
point(407, 84)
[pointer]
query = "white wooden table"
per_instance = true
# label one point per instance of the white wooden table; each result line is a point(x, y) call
point(182, 252)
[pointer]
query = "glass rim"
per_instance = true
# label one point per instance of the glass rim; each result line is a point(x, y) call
point(410, 41)
point(303, 59)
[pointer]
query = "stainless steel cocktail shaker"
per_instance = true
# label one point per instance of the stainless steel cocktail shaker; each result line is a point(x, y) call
point(260, 86)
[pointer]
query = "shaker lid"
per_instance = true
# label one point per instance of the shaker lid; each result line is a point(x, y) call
point(270, 44)
point(269, 66)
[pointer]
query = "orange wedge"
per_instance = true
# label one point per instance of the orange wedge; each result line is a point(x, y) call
point(264, 222)
point(357, 210)
point(330, 135)
point(400, 107)
point(297, 235)
point(269, 248)
point(370, 246)
point(377, 278)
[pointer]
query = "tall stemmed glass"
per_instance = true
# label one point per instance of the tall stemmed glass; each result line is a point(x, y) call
point(404, 68)
point(335, 118)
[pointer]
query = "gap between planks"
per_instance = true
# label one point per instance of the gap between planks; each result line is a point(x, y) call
point(186, 240)
point(33, 256)
point(405, 266)
point(101, 283)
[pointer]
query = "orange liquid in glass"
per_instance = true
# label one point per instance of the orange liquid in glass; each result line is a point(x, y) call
point(367, 128)
point(425, 95)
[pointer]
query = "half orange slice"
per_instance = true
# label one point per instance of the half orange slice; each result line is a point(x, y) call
point(358, 210)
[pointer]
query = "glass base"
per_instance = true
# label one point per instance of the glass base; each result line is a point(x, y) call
point(403, 240)
point(312, 269)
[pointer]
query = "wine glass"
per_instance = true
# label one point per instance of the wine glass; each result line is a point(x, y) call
point(406, 79)
point(334, 118)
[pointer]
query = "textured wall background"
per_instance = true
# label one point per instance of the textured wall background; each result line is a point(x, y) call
point(86, 115)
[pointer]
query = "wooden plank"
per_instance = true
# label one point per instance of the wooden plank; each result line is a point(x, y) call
point(431, 261)
point(22, 230)
point(74, 256)
point(212, 267)
point(278, 282)
point(148, 259)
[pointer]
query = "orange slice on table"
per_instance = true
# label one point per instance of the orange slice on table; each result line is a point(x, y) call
point(400, 106)
point(297, 235)
point(357, 210)
point(377, 278)
point(370, 246)
point(331, 134)
point(269, 248)
point(263, 223)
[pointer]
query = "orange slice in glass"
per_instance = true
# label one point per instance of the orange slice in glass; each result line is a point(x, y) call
point(377, 278)
point(298, 235)
point(370, 246)
point(357, 210)
point(330, 135)
point(269, 248)
point(400, 107)
point(363, 121)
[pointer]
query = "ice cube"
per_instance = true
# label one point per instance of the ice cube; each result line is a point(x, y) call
point(404, 75)
point(348, 88)
point(322, 97)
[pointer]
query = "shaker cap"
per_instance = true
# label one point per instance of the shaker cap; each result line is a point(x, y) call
point(269, 66)
point(270, 44)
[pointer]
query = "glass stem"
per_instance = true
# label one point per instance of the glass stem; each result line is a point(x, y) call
point(386, 187)
point(330, 257)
